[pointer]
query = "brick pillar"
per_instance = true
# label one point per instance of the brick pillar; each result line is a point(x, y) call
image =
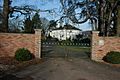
point(95, 42)
point(38, 43)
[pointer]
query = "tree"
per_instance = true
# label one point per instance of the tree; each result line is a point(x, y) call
point(45, 23)
point(78, 11)
point(8, 11)
point(102, 13)
point(28, 26)
point(36, 22)
point(118, 23)
point(5, 15)
point(15, 25)
point(52, 24)
point(108, 12)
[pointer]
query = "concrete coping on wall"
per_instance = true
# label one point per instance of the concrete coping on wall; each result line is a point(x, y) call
point(38, 31)
point(95, 32)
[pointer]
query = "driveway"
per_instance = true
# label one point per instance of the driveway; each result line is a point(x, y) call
point(70, 68)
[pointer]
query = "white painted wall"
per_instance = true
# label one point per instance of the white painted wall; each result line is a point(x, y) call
point(64, 34)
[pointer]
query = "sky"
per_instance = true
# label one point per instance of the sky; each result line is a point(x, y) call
point(47, 5)
point(42, 5)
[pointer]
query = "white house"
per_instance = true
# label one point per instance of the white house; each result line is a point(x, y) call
point(64, 33)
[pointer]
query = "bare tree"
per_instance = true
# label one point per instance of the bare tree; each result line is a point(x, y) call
point(15, 25)
point(118, 23)
point(102, 13)
point(8, 11)
point(108, 12)
point(5, 15)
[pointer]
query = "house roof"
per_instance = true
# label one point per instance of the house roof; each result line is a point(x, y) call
point(67, 27)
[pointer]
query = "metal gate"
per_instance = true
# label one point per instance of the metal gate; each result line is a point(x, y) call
point(55, 49)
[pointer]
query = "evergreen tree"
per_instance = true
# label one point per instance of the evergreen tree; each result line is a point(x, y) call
point(36, 22)
point(28, 26)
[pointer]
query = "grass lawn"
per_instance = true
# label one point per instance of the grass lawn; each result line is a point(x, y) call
point(76, 48)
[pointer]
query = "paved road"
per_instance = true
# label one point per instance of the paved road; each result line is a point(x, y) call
point(70, 69)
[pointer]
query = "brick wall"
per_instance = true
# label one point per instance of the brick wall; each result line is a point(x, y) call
point(10, 42)
point(102, 45)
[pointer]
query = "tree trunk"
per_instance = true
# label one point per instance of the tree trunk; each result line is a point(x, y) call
point(101, 23)
point(5, 16)
point(118, 23)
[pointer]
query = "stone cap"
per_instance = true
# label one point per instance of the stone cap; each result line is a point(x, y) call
point(38, 31)
point(95, 32)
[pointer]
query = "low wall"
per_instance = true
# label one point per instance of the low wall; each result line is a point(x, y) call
point(102, 45)
point(10, 42)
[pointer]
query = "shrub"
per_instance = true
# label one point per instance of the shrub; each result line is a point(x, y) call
point(23, 54)
point(112, 57)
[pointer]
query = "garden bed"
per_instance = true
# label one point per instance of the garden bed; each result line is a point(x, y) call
point(9, 64)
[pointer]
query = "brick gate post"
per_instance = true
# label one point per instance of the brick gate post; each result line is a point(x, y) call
point(38, 43)
point(94, 45)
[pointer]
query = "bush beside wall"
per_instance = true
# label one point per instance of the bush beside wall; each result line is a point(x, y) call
point(112, 57)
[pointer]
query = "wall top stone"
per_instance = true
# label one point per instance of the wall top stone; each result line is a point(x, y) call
point(95, 32)
point(38, 31)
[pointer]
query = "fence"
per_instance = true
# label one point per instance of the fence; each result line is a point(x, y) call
point(66, 44)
